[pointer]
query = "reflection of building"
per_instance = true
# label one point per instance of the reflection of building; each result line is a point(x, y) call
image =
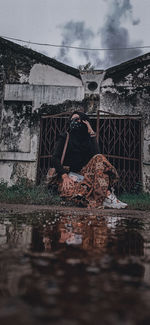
point(3, 235)
point(127, 240)
point(130, 242)
point(147, 256)
point(17, 236)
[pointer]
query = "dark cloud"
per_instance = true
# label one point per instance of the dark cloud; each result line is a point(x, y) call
point(112, 35)
point(77, 34)
point(136, 21)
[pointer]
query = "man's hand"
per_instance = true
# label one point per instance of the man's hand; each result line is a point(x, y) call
point(67, 182)
point(90, 130)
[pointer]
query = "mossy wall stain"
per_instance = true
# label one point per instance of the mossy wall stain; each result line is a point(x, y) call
point(126, 89)
point(18, 59)
point(15, 127)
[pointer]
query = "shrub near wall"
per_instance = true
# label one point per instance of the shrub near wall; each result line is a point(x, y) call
point(26, 193)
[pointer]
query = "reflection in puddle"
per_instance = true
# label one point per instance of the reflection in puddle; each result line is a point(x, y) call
point(74, 269)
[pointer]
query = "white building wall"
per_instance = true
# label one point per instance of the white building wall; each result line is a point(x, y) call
point(44, 85)
point(12, 171)
point(41, 94)
point(41, 74)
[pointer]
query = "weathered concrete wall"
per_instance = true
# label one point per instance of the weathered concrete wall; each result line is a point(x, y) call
point(41, 74)
point(18, 143)
point(15, 129)
point(126, 91)
point(1, 87)
point(92, 81)
point(27, 81)
point(42, 94)
point(11, 171)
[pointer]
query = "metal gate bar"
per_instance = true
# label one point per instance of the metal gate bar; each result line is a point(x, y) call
point(50, 127)
point(120, 141)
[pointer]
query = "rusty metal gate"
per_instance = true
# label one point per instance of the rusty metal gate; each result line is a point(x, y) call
point(50, 128)
point(119, 139)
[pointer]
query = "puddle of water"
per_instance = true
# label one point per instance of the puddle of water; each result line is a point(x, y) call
point(72, 270)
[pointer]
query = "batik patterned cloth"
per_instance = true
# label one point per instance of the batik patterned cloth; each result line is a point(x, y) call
point(98, 174)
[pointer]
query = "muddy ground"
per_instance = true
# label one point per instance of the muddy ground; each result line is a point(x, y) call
point(27, 209)
point(74, 266)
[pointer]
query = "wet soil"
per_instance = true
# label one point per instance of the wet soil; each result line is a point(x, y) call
point(72, 266)
point(25, 208)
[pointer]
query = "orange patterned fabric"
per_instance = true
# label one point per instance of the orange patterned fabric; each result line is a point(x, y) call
point(98, 174)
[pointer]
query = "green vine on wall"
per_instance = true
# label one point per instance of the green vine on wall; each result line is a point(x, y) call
point(66, 106)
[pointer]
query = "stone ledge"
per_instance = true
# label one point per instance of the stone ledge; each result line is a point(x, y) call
point(17, 156)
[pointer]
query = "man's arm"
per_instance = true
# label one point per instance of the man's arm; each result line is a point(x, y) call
point(56, 158)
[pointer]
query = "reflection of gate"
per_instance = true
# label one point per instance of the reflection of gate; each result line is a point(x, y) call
point(119, 139)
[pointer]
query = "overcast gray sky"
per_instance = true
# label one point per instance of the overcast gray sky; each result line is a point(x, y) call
point(83, 23)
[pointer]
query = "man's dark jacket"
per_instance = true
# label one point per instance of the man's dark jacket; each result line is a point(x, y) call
point(76, 157)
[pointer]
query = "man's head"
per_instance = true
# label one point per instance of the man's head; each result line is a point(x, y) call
point(81, 115)
point(76, 121)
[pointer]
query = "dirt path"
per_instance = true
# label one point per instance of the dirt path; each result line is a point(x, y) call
point(27, 209)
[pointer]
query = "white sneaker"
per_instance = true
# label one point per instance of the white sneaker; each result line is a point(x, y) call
point(112, 202)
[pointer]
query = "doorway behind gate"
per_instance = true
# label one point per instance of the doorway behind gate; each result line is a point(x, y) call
point(119, 140)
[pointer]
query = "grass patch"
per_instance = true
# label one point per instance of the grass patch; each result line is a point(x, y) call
point(28, 193)
point(25, 193)
point(136, 201)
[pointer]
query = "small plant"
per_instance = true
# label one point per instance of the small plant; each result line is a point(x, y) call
point(27, 193)
point(138, 188)
point(87, 67)
point(137, 201)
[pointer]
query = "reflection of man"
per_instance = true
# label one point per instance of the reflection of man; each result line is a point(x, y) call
point(89, 233)
point(69, 237)
point(64, 235)
point(47, 243)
